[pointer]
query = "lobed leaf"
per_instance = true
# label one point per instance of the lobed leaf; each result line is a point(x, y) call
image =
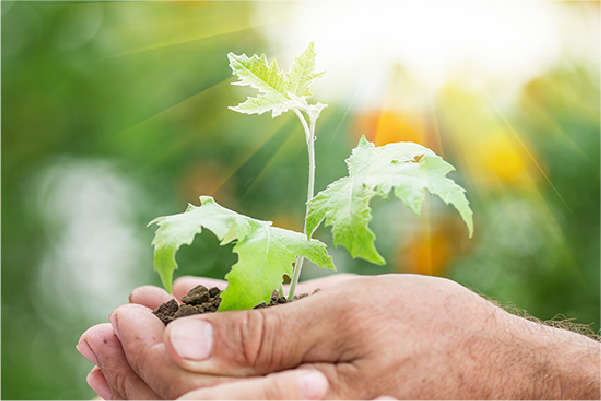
point(263, 258)
point(408, 168)
point(265, 253)
point(301, 75)
point(279, 92)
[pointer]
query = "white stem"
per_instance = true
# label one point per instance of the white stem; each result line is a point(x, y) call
point(310, 137)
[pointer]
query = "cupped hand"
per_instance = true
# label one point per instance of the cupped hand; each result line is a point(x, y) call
point(404, 336)
point(401, 335)
point(115, 377)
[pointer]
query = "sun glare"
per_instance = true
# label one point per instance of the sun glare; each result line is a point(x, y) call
point(506, 42)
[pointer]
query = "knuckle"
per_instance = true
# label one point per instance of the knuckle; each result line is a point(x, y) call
point(256, 337)
point(119, 384)
point(251, 336)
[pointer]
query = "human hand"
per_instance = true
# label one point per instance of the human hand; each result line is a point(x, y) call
point(405, 336)
point(401, 335)
point(113, 377)
point(452, 345)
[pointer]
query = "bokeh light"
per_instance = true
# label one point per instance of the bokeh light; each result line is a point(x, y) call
point(114, 113)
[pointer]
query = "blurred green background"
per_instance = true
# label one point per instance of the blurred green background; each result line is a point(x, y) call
point(114, 113)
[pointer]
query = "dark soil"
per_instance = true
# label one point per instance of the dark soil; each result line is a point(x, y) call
point(201, 299)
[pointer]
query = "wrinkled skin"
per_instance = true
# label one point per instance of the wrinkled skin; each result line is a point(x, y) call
point(403, 336)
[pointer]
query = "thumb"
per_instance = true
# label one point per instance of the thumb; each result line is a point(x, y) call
point(287, 385)
point(263, 340)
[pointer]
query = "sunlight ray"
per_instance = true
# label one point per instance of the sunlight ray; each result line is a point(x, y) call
point(181, 23)
point(562, 240)
point(283, 151)
point(427, 224)
point(571, 262)
point(434, 114)
point(344, 117)
point(175, 43)
point(259, 144)
point(570, 257)
point(547, 117)
point(215, 86)
point(533, 159)
point(459, 145)
point(462, 146)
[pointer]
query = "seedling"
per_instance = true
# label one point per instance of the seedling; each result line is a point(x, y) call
point(267, 253)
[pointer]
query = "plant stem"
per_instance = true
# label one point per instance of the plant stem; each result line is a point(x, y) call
point(310, 137)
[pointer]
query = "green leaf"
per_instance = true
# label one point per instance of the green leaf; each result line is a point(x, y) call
point(263, 258)
point(177, 230)
point(408, 168)
point(279, 92)
point(301, 74)
point(265, 253)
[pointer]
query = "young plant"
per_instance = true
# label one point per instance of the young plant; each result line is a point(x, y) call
point(266, 253)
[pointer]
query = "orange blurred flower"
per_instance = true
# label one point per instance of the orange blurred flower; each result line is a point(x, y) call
point(428, 253)
point(205, 178)
point(389, 126)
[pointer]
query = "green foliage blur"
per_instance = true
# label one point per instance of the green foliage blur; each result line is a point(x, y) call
point(114, 113)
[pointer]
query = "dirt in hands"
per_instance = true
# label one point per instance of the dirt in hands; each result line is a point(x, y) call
point(201, 299)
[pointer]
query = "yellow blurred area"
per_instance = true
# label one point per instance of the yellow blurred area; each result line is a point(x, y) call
point(499, 160)
point(390, 126)
point(493, 153)
point(395, 127)
point(428, 252)
point(288, 222)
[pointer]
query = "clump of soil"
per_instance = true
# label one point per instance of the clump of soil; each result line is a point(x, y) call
point(201, 299)
point(198, 300)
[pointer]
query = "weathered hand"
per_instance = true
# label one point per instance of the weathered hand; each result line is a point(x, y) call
point(113, 377)
point(399, 335)
point(405, 336)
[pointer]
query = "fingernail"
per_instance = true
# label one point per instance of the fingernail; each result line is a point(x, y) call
point(132, 295)
point(84, 348)
point(314, 386)
point(113, 320)
point(98, 384)
point(192, 339)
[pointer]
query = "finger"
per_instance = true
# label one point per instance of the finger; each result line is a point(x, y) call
point(121, 381)
point(182, 285)
point(289, 385)
point(97, 382)
point(321, 283)
point(149, 296)
point(141, 334)
point(314, 329)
